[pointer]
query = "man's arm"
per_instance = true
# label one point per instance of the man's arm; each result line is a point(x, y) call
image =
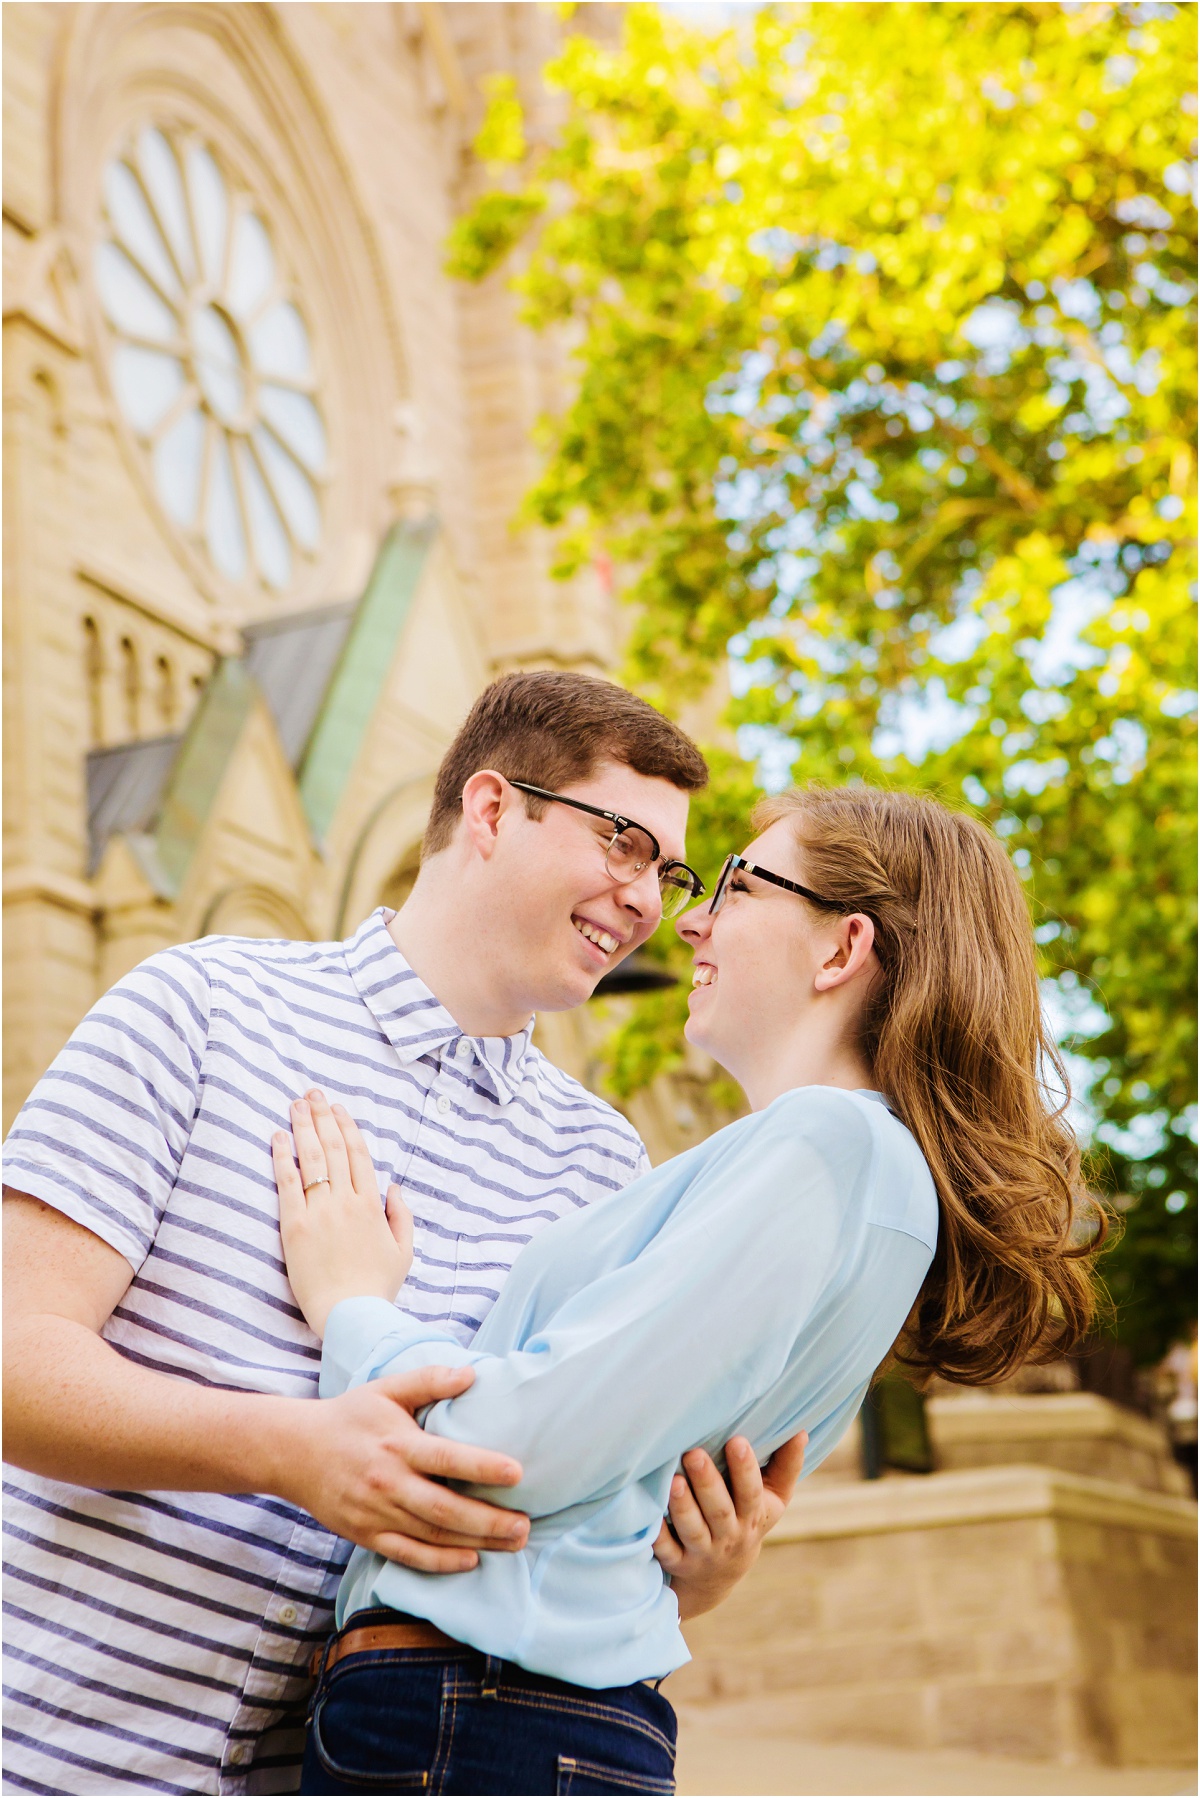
point(78, 1410)
point(584, 1403)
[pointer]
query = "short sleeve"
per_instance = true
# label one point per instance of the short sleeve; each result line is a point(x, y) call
point(103, 1132)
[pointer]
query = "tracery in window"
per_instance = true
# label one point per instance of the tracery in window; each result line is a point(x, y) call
point(211, 360)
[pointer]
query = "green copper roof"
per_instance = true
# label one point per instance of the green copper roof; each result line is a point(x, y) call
point(321, 673)
point(354, 691)
point(200, 767)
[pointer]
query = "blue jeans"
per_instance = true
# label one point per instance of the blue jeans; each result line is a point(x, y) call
point(452, 1720)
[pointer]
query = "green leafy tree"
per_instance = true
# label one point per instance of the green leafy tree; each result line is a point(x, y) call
point(886, 391)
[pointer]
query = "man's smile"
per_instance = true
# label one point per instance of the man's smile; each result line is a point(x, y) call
point(597, 936)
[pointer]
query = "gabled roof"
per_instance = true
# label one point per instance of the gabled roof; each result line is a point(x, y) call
point(124, 788)
point(321, 674)
point(293, 660)
point(199, 768)
point(353, 692)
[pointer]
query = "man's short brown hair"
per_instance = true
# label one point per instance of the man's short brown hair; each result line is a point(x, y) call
point(551, 729)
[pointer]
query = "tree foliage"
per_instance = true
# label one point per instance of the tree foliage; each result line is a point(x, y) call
point(886, 391)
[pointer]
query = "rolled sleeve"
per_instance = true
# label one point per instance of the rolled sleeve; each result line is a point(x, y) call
point(367, 1338)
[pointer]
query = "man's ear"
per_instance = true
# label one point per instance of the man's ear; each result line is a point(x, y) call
point(855, 941)
point(485, 799)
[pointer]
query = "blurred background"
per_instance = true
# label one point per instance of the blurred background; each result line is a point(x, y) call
point(827, 374)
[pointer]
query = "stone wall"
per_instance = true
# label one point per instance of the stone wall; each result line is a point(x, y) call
point(349, 127)
point(1078, 1432)
point(1013, 1610)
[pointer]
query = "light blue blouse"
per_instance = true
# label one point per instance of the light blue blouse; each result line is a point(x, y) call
point(750, 1286)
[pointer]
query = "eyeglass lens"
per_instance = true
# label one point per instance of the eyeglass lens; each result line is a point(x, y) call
point(718, 898)
point(632, 850)
point(677, 890)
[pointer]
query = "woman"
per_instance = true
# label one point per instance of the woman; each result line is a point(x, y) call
point(866, 972)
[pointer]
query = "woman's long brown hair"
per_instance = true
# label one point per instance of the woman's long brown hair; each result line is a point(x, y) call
point(953, 1029)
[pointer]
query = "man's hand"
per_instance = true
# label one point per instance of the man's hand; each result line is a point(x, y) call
point(368, 1471)
point(76, 1410)
point(718, 1530)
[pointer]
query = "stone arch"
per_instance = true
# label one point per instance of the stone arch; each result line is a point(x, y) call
point(386, 852)
point(248, 910)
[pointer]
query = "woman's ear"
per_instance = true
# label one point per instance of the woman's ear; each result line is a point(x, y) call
point(853, 953)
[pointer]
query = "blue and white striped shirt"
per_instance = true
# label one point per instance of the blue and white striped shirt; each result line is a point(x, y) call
point(159, 1641)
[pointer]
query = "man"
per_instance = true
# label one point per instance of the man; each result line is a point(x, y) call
point(174, 1529)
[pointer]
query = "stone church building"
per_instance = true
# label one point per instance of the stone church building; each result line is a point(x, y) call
point(262, 462)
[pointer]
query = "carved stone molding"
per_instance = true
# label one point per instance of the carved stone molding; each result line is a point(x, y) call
point(248, 909)
point(43, 290)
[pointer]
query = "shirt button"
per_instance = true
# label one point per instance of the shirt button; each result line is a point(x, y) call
point(463, 1049)
point(288, 1613)
point(443, 1104)
point(239, 1752)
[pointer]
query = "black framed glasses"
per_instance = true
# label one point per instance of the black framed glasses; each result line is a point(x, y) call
point(631, 850)
point(734, 862)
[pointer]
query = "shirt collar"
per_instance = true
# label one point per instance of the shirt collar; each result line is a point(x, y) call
point(416, 1023)
point(867, 1092)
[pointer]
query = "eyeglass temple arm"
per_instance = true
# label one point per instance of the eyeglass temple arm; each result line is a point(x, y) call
point(618, 820)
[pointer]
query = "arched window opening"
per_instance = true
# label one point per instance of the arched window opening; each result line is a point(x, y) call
point(130, 684)
point(50, 394)
point(167, 701)
point(93, 665)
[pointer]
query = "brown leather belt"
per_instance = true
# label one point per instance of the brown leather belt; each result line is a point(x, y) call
point(416, 1634)
point(381, 1635)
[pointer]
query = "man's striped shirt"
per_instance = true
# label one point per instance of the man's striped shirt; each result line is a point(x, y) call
point(159, 1641)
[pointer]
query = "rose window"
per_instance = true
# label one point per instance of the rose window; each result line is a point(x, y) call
point(210, 361)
